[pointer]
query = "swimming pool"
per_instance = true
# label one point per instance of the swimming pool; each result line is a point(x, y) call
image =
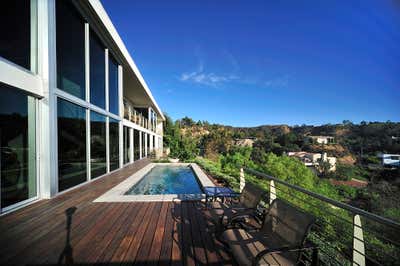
point(167, 179)
point(160, 182)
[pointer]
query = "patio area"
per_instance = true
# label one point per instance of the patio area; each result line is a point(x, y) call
point(153, 233)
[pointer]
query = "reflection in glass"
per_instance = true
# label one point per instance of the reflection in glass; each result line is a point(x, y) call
point(15, 28)
point(113, 85)
point(148, 143)
point(71, 144)
point(136, 146)
point(98, 160)
point(114, 143)
point(70, 41)
point(126, 145)
point(143, 144)
point(97, 72)
point(17, 146)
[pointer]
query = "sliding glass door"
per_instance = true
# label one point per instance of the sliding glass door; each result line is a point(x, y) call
point(17, 146)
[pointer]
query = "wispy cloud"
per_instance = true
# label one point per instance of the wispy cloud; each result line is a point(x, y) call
point(208, 79)
point(202, 77)
point(282, 81)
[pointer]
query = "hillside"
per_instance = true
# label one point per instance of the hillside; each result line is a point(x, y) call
point(353, 142)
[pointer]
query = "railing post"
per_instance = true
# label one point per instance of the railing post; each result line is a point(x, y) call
point(358, 242)
point(272, 191)
point(242, 180)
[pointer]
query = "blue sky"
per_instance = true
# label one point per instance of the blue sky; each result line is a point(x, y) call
point(247, 63)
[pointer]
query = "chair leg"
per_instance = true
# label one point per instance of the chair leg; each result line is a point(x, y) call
point(315, 260)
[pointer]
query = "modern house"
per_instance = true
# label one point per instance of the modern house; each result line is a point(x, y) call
point(322, 139)
point(74, 106)
point(390, 160)
point(77, 127)
point(312, 159)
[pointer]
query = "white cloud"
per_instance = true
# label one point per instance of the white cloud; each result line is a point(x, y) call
point(277, 82)
point(208, 79)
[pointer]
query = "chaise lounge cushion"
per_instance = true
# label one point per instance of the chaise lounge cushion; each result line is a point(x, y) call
point(245, 246)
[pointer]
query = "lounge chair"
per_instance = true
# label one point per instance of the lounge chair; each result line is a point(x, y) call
point(222, 211)
point(280, 241)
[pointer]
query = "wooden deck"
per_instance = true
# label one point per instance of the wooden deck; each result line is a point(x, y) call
point(151, 233)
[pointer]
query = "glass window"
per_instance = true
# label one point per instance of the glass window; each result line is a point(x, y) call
point(71, 144)
point(97, 72)
point(113, 85)
point(15, 28)
point(114, 143)
point(143, 144)
point(70, 49)
point(98, 160)
point(17, 146)
point(148, 143)
point(126, 145)
point(136, 144)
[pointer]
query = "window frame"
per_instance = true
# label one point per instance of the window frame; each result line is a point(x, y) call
point(89, 107)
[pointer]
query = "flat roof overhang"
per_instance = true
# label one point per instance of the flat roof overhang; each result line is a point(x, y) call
point(135, 87)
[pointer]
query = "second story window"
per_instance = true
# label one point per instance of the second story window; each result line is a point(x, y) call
point(97, 72)
point(113, 85)
point(15, 28)
point(70, 31)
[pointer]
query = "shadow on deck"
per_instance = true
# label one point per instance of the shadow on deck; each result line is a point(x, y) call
point(71, 229)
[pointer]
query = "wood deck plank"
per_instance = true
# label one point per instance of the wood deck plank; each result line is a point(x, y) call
point(154, 233)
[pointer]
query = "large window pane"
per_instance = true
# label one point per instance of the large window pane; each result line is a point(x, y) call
point(143, 144)
point(71, 144)
point(17, 146)
point(126, 145)
point(70, 49)
point(98, 161)
point(114, 144)
point(136, 144)
point(15, 28)
point(148, 143)
point(97, 72)
point(113, 85)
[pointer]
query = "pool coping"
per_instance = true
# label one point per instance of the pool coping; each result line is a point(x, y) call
point(117, 193)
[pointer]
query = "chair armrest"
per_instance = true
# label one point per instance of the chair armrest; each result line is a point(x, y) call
point(246, 213)
point(284, 249)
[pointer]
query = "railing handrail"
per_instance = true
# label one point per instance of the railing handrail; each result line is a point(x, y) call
point(339, 204)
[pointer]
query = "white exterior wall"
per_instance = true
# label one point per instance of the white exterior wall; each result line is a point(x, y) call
point(41, 82)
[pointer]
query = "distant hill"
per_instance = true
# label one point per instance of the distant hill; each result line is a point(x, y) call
point(352, 141)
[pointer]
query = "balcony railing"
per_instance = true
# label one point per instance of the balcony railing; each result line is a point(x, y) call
point(135, 117)
point(345, 235)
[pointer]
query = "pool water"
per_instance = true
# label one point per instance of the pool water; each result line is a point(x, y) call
point(167, 179)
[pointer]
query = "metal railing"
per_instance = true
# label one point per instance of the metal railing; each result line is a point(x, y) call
point(345, 235)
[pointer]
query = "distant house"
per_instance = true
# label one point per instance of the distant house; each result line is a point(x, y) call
point(312, 159)
point(322, 139)
point(391, 160)
point(245, 142)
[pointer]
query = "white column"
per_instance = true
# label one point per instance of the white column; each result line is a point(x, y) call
point(145, 144)
point(131, 145)
point(108, 143)
point(121, 145)
point(242, 180)
point(48, 166)
point(358, 243)
point(272, 191)
point(107, 81)
point(140, 145)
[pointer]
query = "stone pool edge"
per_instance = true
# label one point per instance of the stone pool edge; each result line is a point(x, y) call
point(117, 193)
